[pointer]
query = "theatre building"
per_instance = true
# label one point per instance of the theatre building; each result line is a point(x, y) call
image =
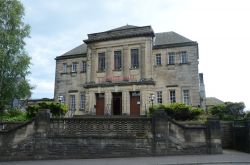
point(124, 71)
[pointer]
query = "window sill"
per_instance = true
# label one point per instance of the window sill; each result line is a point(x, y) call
point(170, 64)
point(64, 73)
point(117, 70)
point(136, 68)
point(187, 63)
point(157, 66)
point(100, 71)
point(83, 72)
point(73, 72)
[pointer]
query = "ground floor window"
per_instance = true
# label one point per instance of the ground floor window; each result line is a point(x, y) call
point(72, 104)
point(159, 97)
point(82, 102)
point(172, 96)
point(186, 97)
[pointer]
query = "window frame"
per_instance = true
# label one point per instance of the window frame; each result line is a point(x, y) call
point(118, 60)
point(183, 57)
point(158, 59)
point(82, 101)
point(186, 98)
point(72, 103)
point(134, 53)
point(74, 67)
point(65, 67)
point(171, 58)
point(101, 62)
point(84, 66)
point(159, 97)
point(172, 96)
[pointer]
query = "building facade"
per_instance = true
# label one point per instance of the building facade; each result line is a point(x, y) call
point(125, 70)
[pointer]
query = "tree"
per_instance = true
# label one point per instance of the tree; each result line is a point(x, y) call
point(14, 60)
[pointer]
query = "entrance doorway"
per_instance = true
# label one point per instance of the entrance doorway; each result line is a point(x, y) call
point(135, 103)
point(99, 104)
point(117, 103)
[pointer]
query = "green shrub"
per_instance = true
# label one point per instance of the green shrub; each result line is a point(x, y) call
point(179, 111)
point(32, 110)
point(56, 109)
point(14, 114)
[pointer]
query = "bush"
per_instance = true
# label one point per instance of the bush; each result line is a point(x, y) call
point(14, 114)
point(179, 111)
point(56, 109)
point(228, 111)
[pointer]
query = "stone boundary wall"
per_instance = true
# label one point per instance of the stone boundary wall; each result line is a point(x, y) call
point(96, 137)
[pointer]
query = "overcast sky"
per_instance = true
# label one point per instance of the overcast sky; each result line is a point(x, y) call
point(221, 27)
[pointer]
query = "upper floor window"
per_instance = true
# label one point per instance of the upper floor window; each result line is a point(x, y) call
point(185, 96)
point(64, 68)
point(74, 67)
point(134, 58)
point(183, 57)
point(84, 66)
point(72, 103)
point(158, 59)
point(82, 101)
point(159, 97)
point(117, 60)
point(171, 58)
point(172, 96)
point(101, 62)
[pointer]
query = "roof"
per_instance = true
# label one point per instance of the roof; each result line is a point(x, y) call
point(79, 50)
point(126, 31)
point(162, 40)
point(171, 39)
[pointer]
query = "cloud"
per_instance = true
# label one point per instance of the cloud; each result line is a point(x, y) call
point(220, 27)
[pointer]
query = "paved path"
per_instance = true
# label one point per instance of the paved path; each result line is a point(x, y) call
point(227, 158)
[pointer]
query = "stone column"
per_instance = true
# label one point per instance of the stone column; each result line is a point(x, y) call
point(142, 62)
point(213, 136)
point(108, 103)
point(93, 66)
point(125, 103)
point(125, 62)
point(160, 132)
point(109, 66)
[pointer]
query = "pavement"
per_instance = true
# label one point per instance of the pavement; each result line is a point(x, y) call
point(229, 157)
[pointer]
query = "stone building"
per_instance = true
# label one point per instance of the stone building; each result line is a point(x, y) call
point(124, 71)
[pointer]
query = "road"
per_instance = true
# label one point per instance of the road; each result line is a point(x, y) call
point(228, 157)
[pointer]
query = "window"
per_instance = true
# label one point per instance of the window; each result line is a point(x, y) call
point(61, 99)
point(84, 66)
point(172, 96)
point(171, 59)
point(74, 67)
point(64, 68)
point(134, 58)
point(186, 97)
point(184, 57)
point(159, 96)
point(117, 60)
point(158, 59)
point(101, 62)
point(82, 101)
point(72, 104)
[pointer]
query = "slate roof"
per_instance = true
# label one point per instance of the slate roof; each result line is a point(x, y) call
point(162, 40)
point(77, 51)
point(121, 32)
